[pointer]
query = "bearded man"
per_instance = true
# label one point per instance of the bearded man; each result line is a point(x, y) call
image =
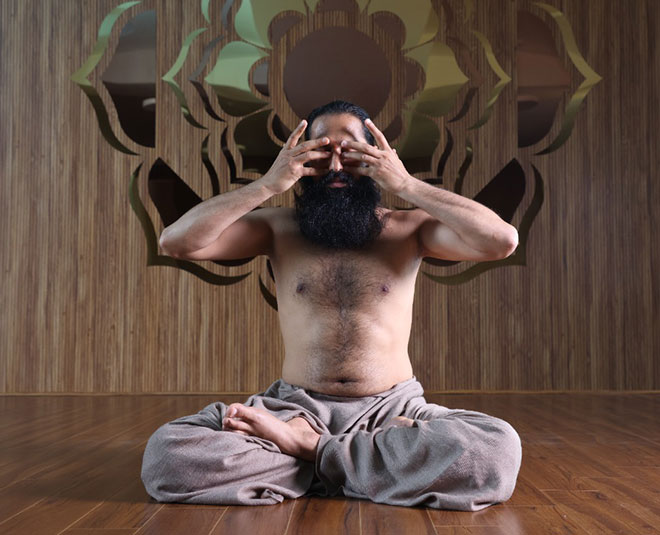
point(348, 416)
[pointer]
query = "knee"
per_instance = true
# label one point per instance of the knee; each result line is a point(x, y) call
point(163, 471)
point(487, 455)
point(501, 458)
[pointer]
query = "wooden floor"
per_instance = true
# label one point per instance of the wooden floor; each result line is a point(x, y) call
point(71, 465)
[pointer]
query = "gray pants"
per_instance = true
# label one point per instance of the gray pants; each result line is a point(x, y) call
point(450, 459)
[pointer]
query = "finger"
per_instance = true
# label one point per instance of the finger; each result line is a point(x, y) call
point(378, 135)
point(295, 135)
point(311, 144)
point(350, 167)
point(356, 166)
point(357, 171)
point(360, 147)
point(315, 171)
point(353, 158)
point(312, 155)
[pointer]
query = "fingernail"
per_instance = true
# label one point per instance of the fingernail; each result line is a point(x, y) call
point(343, 143)
point(369, 121)
point(231, 412)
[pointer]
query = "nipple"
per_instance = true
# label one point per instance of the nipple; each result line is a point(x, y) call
point(300, 288)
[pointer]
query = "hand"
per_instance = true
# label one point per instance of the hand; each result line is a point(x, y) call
point(381, 163)
point(289, 166)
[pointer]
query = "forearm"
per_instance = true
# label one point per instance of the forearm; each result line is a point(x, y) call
point(477, 225)
point(202, 224)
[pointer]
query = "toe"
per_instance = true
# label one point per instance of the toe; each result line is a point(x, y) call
point(236, 410)
point(231, 424)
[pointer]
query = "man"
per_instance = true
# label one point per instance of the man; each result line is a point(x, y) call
point(348, 415)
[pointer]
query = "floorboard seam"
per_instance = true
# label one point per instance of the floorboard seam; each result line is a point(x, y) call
point(150, 519)
point(428, 514)
point(19, 512)
point(218, 521)
point(80, 518)
point(288, 522)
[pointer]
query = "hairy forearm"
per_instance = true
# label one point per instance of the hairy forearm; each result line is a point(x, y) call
point(477, 225)
point(202, 224)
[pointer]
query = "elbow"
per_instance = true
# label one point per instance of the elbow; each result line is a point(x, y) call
point(165, 242)
point(509, 242)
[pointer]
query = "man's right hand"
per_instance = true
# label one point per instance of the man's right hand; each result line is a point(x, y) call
point(289, 166)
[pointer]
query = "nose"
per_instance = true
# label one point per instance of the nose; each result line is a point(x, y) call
point(335, 159)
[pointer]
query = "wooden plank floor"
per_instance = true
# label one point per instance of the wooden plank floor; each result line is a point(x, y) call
point(70, 465)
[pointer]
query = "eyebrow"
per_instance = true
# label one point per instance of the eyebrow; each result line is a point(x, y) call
point(352, 136)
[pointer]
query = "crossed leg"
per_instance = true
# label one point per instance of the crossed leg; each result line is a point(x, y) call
point(435, 457)
point(295, 437)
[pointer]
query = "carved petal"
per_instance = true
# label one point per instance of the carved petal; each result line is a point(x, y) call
point(229, 78)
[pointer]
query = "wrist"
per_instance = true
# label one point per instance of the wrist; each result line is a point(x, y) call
point(268, 185)
point(406, 183)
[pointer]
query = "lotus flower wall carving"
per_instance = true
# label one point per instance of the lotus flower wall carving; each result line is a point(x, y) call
point(408, 64)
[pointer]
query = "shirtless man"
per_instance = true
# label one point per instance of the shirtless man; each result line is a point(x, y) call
point(345, 270)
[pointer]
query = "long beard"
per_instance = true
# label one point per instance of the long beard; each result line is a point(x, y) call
point(338, 218)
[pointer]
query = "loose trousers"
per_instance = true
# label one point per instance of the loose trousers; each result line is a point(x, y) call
point(449, 459)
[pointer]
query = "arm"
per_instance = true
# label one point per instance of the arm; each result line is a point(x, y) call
point(225, 227)
point(458, 228)
point(455, 227)
point(222, 227)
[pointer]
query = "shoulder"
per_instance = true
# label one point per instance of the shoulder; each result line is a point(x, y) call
point(407, 225)
point(270, 214)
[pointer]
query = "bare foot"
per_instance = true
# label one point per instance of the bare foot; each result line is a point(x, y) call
point(295, 437)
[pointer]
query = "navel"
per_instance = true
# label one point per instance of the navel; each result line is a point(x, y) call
point(300, 288)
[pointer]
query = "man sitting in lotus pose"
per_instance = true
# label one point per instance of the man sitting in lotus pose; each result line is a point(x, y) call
point(348, 416)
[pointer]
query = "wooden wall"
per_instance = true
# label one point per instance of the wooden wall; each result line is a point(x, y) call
point(81, 311)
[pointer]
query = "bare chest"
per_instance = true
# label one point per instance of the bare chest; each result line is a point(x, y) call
point(341, 282)
point(343, 279)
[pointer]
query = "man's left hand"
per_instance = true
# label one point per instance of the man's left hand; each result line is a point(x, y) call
point(381, 163)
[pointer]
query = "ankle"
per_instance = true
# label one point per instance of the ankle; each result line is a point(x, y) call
point(308, 446)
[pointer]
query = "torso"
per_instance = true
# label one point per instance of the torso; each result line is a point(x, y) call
point(346, 315)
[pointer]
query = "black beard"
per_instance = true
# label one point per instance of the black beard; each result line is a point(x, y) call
point(338, 218)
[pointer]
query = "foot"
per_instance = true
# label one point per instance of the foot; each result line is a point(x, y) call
point(295, 437)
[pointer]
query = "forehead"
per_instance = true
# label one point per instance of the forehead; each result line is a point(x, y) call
point(337, 126)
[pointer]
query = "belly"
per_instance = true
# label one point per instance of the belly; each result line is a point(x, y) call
point(350, 385)
point(352, 356)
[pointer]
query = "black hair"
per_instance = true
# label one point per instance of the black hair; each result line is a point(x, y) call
point(337, 107)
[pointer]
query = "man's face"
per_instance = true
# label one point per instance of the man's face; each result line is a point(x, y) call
point(338, 209)
point(336, 128)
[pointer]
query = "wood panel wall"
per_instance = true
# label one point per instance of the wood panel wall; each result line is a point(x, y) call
point(81, 311)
